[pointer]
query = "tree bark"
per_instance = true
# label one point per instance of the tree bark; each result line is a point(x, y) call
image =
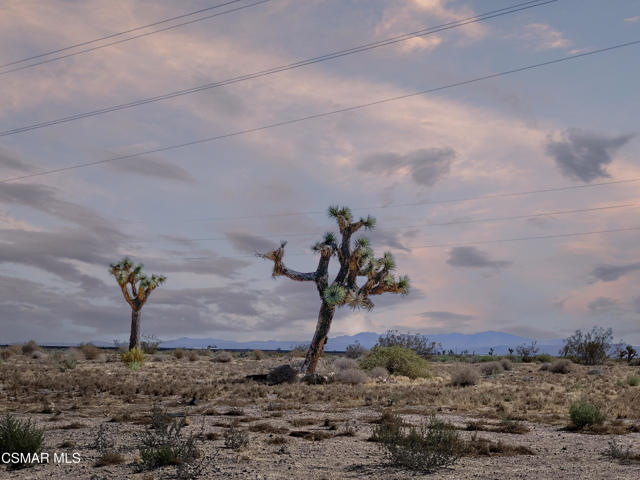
point(134, 339)
point(325, 316)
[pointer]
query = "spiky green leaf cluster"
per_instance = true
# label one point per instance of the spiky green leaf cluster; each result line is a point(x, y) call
point(369, 222)
point(328, 239)
point(335, 295)
point(151, 282)
point(336, 211)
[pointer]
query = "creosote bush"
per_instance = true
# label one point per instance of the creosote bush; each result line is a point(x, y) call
point(178, 353)
point(465, 376)
point(397, 361)
point(135, 355)
point(561, 366)
point(30, 347)
point(353, 376)
point(506, 364)
point(584, 414)
point(425, 448)
point(90, 351)
point(416, 342)
point(491, 368)
point(590, 348)
point(223, 357)
point(18, 436)
point(355, 350)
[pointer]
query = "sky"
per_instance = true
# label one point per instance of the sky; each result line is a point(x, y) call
point(199, 213)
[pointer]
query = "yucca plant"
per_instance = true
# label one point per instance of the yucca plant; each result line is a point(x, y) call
point(136, 288)
point(357, 261)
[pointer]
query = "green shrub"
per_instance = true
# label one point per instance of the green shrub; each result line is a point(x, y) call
point(544, 358)
point(163, 443)
point(397, 360)
point(68, 364)
point(135, 355)
point(19, 437)
point(584, 413)
point(135, 366)
point(355, 350)
point(633, 381)
point(416, 342)
point(425, 448)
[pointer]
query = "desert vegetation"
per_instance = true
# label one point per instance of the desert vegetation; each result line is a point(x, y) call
point(387, 412)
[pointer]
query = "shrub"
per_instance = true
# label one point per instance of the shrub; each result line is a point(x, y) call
point(353, 376)
point(379, 373)
point(223, 357)
point(30, 347)
point(491, 368)
point(506, 364)
point(135, 355)
point(417, 343)
point(68, 364)
point(163, 443)
point(19, 437)
point(342, 363)
point(38, 355)
point(527, 352)
point(543, 358)
point(150, 344)
point(5, 353)
point(355, 350)
point(282, 374)
point(90, 351)
point(178, 353)
point(193, 356)
point(236, 439)
point(299, 350)
point(425, 448)
point(396, 360)
point(584, 413)
point(258, 354)
point(561, 366)
point(633, 381)
point(464, 377)
point(589, 348)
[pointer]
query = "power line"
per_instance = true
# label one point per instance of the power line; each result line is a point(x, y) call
point(117, 42)
point(113, 35)
point(282, 68)
point(480, 242)
point(429, 224)
point(425, 202)
point(320, 115)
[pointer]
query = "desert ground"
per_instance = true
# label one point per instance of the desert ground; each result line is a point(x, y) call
point(314, 431)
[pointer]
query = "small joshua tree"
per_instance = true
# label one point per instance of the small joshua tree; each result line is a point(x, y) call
point(356, 259)
point(136, 288)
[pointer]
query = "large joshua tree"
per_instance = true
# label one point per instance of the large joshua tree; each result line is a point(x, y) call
point(357, 261)
point(136, 288)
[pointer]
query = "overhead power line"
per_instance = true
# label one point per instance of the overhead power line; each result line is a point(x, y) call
point(321, 115)
point(425, 225)
point(282, 68)
point(472, 243)
point(117, 42)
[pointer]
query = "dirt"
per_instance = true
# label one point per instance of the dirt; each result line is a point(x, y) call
point(322, 415)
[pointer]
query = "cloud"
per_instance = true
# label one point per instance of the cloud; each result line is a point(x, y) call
point(635, 19)
point(13, 161)
point(602, 305)
point(248, 243)
point(636, 304)
point(582, 155)
point(611, 273)
point(447, 316)
point(153, 167)
point(471, 257)
point(543, 37)
point(426, 165)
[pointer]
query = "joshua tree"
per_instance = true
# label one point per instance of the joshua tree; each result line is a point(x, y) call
point(356, 260)
point(136, 288)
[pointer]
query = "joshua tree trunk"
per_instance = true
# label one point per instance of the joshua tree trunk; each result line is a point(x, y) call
point(134, 339)
point(319, 338)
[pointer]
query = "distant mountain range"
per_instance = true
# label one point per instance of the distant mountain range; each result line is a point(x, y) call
point(479, 343)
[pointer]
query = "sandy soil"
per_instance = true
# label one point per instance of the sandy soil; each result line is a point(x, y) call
point(75, 416)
